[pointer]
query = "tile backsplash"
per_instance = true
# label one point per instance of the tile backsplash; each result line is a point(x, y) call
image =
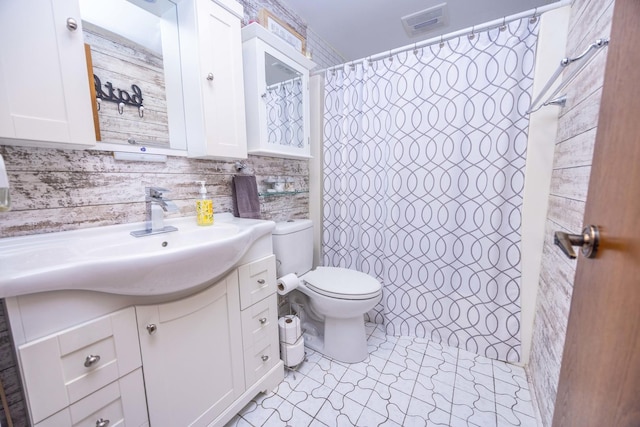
point(56, 190)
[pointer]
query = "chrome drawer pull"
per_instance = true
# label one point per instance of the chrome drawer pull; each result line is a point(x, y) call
point(265, 357)
point(261, 281)
point(263, 320)
point(91, 360)
point(102, 422)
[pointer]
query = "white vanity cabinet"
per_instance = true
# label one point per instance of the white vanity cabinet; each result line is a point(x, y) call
point(44, 83)
point(276, 95)
point(213, 87)
point(192, 355)
point(160, 361)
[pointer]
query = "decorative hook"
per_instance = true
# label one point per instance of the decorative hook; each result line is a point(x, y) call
point(534, 18)
point(141, 111)
point(120, 108)
point(240, 165)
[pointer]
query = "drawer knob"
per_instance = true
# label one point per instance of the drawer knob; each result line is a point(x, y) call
point(265, 357)
point(91, 360)
point(102, 422)
point(152, 328)
point(263, 320)
point(210, 77)
point(261, 281)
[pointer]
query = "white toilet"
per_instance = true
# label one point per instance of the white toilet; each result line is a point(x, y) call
point(337, 298)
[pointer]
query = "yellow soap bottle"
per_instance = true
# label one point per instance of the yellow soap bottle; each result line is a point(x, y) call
point(204, 206)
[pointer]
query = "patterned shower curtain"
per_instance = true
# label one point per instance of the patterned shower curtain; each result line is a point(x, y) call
point(424, 157)
point(284, 113)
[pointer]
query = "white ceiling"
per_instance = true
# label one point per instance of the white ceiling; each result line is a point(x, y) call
point(359, 28)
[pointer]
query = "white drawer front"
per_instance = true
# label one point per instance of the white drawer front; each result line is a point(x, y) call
point(257, 281)
point(121, 403)
point(260, 323)
point(54, 367)
point(259, 360)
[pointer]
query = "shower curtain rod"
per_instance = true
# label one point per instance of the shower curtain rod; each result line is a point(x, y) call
point(469, 30)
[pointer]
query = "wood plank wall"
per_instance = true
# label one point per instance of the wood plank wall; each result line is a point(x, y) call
point(56, 190)
point(590, 20)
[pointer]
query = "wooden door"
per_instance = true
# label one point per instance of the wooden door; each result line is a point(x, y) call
point(600, 374)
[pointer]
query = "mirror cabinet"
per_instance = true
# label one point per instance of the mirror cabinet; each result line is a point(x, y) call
point(276, 78)
point(168, 76)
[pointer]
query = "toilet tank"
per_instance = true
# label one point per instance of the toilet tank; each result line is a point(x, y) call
point(293, 246)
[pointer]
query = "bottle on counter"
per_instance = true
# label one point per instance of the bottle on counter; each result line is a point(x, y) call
point(204, 206)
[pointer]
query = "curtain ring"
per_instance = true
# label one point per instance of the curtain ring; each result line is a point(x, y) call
point(503, 27)
point(370, 61)
point(99, 102)
point(534, 18)
point(141, 111)
point(390, 57)
point(472, 35)
point(415, 49)
point(441, 41)
point(120, 108)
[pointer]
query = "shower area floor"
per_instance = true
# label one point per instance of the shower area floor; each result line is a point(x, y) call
point(405, 381)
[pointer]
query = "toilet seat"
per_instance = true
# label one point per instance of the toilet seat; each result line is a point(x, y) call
point(342, 283)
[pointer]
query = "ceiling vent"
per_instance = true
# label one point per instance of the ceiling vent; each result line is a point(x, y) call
point(426, 20)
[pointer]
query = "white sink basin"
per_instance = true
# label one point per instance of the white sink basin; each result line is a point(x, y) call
point(108, 259)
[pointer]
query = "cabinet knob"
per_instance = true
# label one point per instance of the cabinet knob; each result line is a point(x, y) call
point(152, 328)
point(263, 320)
point(210, 76)
point(265, 357)
point(100, 422)
point(72, 25)
point(91, 360)
point(261, 281)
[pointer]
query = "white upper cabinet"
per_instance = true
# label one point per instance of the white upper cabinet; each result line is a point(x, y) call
point(211, 53)
point(44, 83)
point(276, 79)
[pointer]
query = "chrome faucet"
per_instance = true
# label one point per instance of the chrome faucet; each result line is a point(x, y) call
point(155, 207)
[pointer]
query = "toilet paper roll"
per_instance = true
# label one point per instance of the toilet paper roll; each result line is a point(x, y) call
point(290, 329)
point(287, 283)
point(292, 354)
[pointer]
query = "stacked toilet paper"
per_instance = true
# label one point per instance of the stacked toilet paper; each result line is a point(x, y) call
point(291, 340)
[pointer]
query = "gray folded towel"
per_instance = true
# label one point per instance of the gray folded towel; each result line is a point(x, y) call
point(245, 196)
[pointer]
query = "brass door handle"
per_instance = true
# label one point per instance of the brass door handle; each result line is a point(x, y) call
point(588, 241)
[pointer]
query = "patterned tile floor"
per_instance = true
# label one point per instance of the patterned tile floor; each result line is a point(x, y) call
point(404, 382)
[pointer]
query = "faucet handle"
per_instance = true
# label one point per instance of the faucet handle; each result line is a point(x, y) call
point(155, 192)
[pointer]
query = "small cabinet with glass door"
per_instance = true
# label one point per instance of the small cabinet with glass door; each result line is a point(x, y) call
point(276, 80)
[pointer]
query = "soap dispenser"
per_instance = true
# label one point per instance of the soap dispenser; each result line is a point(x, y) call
point(204, 206)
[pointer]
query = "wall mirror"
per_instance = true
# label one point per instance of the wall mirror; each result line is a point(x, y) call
point(135, 57)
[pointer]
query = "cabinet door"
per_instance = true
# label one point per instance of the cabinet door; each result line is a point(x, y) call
point(192, 355)
point(44, 84)
point(217, 127)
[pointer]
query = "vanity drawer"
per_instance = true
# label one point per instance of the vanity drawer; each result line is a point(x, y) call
point(121, 403)
point(260, 323)
point(260, 359)
point(257, 281)
point(65, 367)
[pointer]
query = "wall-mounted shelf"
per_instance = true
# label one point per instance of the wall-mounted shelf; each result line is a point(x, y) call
point(282, 193)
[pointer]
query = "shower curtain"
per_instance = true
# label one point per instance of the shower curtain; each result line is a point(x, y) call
point(424, 155)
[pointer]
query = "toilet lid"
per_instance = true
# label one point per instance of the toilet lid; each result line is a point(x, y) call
point(342, 283)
